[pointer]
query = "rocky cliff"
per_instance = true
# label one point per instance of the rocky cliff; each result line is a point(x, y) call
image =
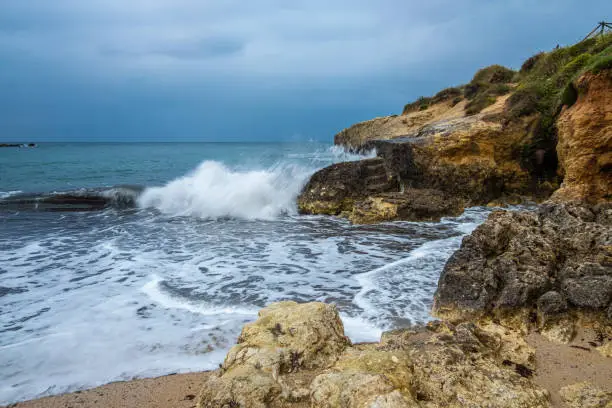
point(585, 141)
point(459, 161)
point(505, 137)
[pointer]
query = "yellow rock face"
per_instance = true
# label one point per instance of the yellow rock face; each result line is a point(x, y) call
point(390, 127)
point(286, 338)
point(606, 349)
point(585, 141)
point(289, 335)
point(441, 366)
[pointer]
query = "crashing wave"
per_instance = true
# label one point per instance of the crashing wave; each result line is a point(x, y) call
point(214, 191)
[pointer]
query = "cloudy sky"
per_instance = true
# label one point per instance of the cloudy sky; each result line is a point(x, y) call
point(229, 70)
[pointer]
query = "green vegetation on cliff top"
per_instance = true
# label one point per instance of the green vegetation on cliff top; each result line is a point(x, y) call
point(543, 85)
point(546, 82)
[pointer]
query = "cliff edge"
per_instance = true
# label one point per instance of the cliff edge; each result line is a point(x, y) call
point(506, 137)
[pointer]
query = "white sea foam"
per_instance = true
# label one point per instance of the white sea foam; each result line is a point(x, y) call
point(153, 291)
point(360, 330)
point(405, 287)
point(99, 297)
point(333, 154)
point(341, 153)
point(7, 194)
point(215, 191)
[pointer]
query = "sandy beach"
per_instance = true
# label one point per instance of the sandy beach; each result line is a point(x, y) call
point(176, 391)
point(557, 365)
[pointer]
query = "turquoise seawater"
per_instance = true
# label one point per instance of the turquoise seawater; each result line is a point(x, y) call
point(68, 166)
point(181, 245)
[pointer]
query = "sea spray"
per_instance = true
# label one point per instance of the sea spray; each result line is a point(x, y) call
point(214, 191)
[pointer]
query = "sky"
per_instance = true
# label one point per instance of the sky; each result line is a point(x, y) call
point(252, 70)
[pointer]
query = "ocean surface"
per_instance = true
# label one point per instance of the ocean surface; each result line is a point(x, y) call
point(180, 245)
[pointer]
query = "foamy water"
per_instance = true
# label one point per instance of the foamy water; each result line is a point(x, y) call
point(213, 191)
point(88, 298)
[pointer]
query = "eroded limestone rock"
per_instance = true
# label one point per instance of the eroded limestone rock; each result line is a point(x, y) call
point(411, 205)
point(335, 189)
point(440, 366)
point(288, 336)
point(585, 395)
point(286, 339)
point(457, 161)
point(531, 263)
point(585, 141)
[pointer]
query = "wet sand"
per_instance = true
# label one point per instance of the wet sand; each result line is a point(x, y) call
point(172, 391)
point(557, 365)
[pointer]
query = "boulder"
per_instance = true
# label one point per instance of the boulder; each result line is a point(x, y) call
point(335, 189)
point(287, 339)
point(289, 336)
point(460, 366)
point(531, 263)
point(244, 386)
point(410, 205)
point(442, 365)
point(356, 390)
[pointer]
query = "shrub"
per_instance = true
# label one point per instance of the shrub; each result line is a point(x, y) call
point(570, 69)
point(487, 84)
point(546, 81)
point(446, 94)
point(471, 90)
point(523, 102)
point(531, 62)
point(499, 89)
point(569, 95)
point(422, 103)
point(479, 103)
point(456, 100)
point(494, 74)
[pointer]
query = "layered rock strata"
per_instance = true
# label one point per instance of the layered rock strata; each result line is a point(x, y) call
point(468, 161)
point(585, 141)
point(512, 151)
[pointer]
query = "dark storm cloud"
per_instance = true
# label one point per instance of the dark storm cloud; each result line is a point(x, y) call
point(265, 69)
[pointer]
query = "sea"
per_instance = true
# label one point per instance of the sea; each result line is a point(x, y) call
point(121, 261)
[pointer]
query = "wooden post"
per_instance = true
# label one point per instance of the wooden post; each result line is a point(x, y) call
point(600, 29)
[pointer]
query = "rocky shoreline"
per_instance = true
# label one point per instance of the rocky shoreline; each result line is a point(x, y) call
point(505, 138)
point(521, 282)
point(525, 305)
